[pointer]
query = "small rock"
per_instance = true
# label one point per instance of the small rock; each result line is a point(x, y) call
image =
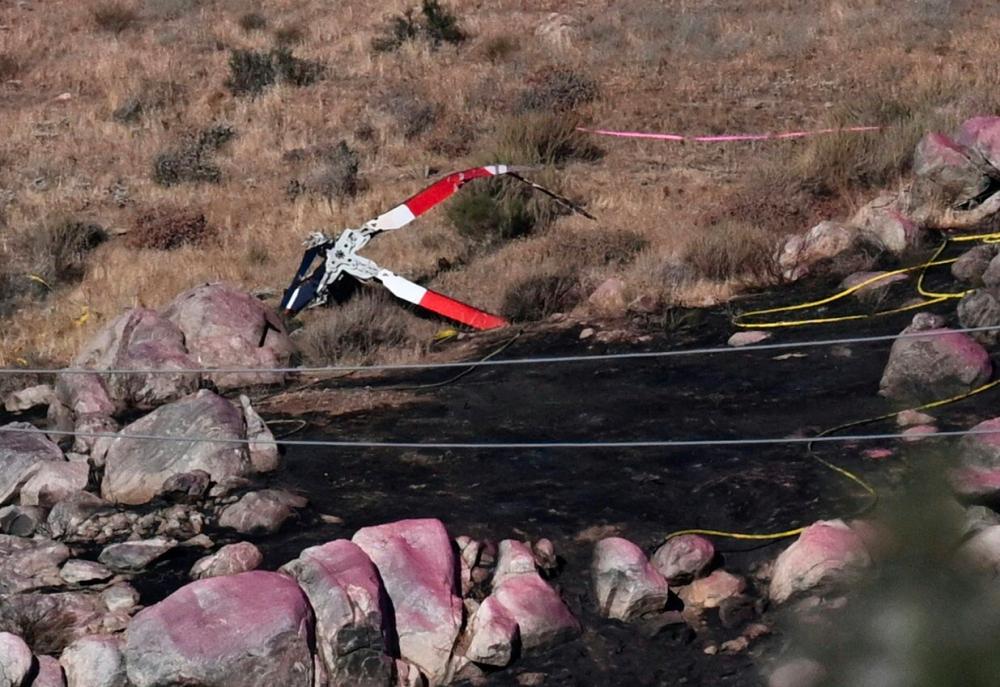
point(201, 541)
point(229, 560)
point(827, 552)
point(625, 584)
point(683, 558)
point(21, 521)
point(94, 661)
point(63, 97)
point(531, 679)
point(799, 672)
point(263, 449)
point(494, 635)
point(27, 564)
point(740, 339)
point(258, 512)
point(542, 617)
point(513, 558)
point(971, 265)
point(911, 418)
point(608, 299)
point(26, 399)
point(735, 646)
point(711, 591)
point(586, 333)
point(545, 555)
point(120, 597)
point(875, 283)
point(187, 487)
point(15, 660)
point(135, 556)
point(78, 571)
point(980, 517)
point(981, 308)
point(918, 433)
point(19, 453)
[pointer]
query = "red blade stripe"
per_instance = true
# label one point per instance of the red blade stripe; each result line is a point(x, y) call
point(442, 189)
point(460, 312)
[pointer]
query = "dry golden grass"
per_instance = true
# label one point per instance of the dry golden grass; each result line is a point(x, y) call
point(670, 65)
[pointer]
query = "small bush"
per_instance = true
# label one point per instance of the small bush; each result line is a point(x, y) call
point(616, 248)
point(10, 67)
point(57, 250)
point(413, 115)
point(167, 228)
point(355, 331)
point(114, 17)
point(499, 48)
point(289, 35)
point(436, 24)
point(334, 175)
point(491, 212)
point(733, 251)
point(152, 96)
point(169, 9)
point(191, 162)
point(536, 298)
point(252, 21)
point(540, 138)
point(252, 71)
point(558, 90)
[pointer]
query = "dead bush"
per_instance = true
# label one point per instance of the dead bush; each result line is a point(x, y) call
point(152, 96)
point(191, 161)
point(435, 23)
point(615, 247)
point(169, 9)
point(252, 71)
point(334, 174)
point(252, 21)
point(541, 138)
point(167, 228)
point(289, 35)
point(10, 67)
point(114, 17)
point(355, 331)
point(538, 297)
point(557, 90)
point(733, 251)
point(413, 115)
point(57, 250)
point(499, 48)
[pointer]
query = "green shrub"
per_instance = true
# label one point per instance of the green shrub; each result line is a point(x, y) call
point(491, 212)
point(436, 24)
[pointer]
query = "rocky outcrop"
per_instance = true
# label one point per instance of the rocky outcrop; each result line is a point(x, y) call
point(354, 620)
point(226, 327)
point(189, 637)
point(418, 568)
point(625, 584)
point(136, 471)
point(826, 553)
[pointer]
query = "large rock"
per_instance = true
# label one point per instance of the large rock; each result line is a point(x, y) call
point(712, 591)
point(15, 660)
point(419, 571)
point(927, 368)
point(683, 558)
point(27, 564)
point(982, 136)
point(541, 616)
point(21, 521)
point(353, 615)
point(51, 481)
point(827, 552)
point(494, 636)
point(260, 512)
point(883, 220)
point(19, 453)
point(94, 661)
point(50, 673)
point(229, 560)
point(978, 472)
point(625, 584)
point(85, 394)
point(944, 171)
point(135, 556)
point(226, 327)
point(139, 339)
point(247, 630)
point(824, 241)
point(971, 266)
point(513, 558)
point(981, 308)
point(136, 470)
point(609, 298)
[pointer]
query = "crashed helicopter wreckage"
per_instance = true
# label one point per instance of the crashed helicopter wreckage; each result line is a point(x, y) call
point(339, 258)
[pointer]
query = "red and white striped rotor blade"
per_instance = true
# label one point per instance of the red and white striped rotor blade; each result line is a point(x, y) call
point(439, 191)
point(439, 303)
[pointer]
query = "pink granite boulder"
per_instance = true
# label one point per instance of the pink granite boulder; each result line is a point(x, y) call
point(231, 559)
point(625, 584)
point(826, 553)
point(353, 615)
point(940, 364)
point(943, 167)
point(982, 135)
point(494, 636)
point(683, 558)
point(15, 660)
point(248, 630)
point(95, 661)
point(226, 327)
point(20, 452)
point(978, 473)
point(713, 590)
point(418, 568)
point(541, 615)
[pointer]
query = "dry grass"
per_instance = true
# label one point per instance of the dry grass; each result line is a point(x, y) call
point(670, 66)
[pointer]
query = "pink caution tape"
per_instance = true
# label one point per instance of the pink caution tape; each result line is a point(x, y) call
point(727, 137)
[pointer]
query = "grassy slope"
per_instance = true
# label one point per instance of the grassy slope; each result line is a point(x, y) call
point(672, 66)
